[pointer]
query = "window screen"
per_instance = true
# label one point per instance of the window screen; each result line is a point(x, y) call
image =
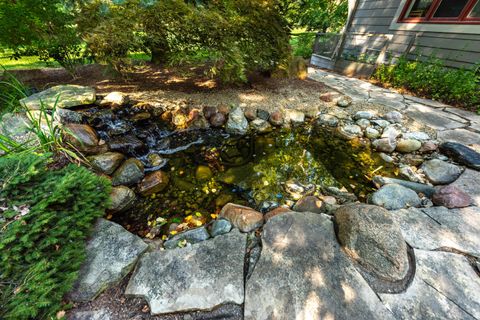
point(419, 8)
point(450, 8)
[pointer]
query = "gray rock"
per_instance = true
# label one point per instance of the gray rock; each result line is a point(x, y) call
point(445, 287)
point(407, 172)
point(381, 123)
point(16, 126)
point(372, 133)
point(371, 237)
point(363, 123)
point(349, 131)
point(391, 132)
point(417, 187)
point(237, 122)
point(364, 115)
point(441, 172)
point(190, 236)
point(327, 120)
point(462, 154)
point(129, 173)
point(261, 126)
point(294, 117)
point(111, 254)
point(106, 162)
point(101, 314)
point(294, 278)
point(451, 197)
point(122, 198)
point(386, 157)
point(198, 277)
point(439, 227)
point(68, 96)
point(408, 145)
point(343, 103)
point(309, 204)
point(394, 117)
point(263, 114)
point(220, 226)
point(67, 116)
point(417, 135)
point(395, 196)
point(468, 182)
point(384, 145)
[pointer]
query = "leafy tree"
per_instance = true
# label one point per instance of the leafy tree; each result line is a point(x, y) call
point(42, 27)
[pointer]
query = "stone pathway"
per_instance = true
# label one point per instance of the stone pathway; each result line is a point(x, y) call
point(451, 124)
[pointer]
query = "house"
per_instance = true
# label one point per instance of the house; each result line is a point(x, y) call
point(379, 31)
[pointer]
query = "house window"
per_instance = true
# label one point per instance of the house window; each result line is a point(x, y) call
point(441, 11)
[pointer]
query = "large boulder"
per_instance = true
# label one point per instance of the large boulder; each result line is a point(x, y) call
point(202, 276)
point(441, 172)
point(129, 173)
point(371, 237)
point(394, 196)
point(237, 122)
point(302, 273)
point(111, 254)
point(68, 96)
point(244, 218)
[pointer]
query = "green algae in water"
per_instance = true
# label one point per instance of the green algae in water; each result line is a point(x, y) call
point(249, 171)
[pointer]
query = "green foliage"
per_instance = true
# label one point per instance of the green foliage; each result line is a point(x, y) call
point(47, 215)
point(432, 79)
point(41, 27)
point(232, 37)
point(315, 15)
point(302, 44)
point(11, 91)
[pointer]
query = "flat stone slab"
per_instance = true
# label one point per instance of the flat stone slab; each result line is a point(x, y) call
point(445, 287)
point(439, 227)
point(101, 314)
point(469, 182)
point(111, 254)
point(303, 274)
point(68, 95)
point(462, 136)
point(201, 276)
point(434, 118)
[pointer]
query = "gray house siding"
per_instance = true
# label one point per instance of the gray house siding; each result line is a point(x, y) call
point(370, 34)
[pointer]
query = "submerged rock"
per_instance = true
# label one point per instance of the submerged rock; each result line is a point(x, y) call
point(368, 115)
point(68, 96)
point(371, 237)
point(126, 144)
point(129, 173)
point(121, 198)
point(190, 236)
point(106, 162)
point(395, 196)
point(153, 183)
point(309, 204)
point(441, 172)
point(451, 197)
point(111, 254)
point(462, 154)
point(244, 218)
point(203, 173)
point(237, 122)
point(202, 276)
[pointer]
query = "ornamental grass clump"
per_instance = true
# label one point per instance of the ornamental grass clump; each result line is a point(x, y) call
point(45, 219)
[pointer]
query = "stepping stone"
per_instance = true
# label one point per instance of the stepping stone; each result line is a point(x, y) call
point(460, 136)
point(469, 182)
point(434, 118)
point(201, 276)
point(302, 273)
point(111, 254)
point(439, 227)
point(68, 96)
point(445, 287)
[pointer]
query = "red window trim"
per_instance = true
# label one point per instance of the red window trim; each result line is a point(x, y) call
point(461, 19)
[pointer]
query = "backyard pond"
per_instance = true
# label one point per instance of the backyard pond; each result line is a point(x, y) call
point(207, 168)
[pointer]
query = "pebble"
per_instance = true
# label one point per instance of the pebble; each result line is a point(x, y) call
point(218, 119)
point(408, 145)
point(343, 103)
point(428, 146)
point(364, 115)
point(190, 236)
point(276, 118)
point(384, 145)
point(451, 197)
point(395, 196)
point(391, 132)
point(394, 117)
point(441, 172)
point(263, 114)
point(349, 131)
point(327, 120)
point(418, 135)
point(294, 117)
point(372, 133)
point(363, 123)
point(221, 226)
point(381, 123)
point(261, 126)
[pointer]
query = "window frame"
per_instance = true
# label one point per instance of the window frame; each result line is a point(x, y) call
point(430, 19)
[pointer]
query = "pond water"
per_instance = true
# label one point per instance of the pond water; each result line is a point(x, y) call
point(209, 168)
